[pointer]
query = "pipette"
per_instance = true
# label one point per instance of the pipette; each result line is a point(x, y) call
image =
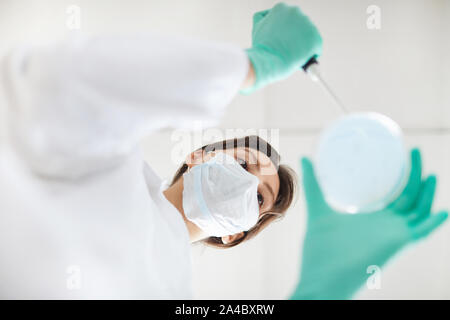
point(312, 69)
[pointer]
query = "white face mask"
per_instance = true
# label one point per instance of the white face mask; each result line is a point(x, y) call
point(220, 196)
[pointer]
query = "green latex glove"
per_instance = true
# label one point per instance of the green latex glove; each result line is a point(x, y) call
point(339, 247)
point(283, 40)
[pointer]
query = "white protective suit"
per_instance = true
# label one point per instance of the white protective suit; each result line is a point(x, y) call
point(81, 214)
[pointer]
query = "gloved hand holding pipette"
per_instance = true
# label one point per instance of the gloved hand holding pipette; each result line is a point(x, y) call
point(274, 53)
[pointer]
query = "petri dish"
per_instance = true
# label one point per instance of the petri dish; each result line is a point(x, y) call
point(362, 164)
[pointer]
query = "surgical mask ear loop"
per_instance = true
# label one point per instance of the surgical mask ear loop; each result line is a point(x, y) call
point(313, 70)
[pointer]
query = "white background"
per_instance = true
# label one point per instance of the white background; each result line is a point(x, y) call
point(402, 70)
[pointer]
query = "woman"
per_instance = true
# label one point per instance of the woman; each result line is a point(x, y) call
point(275, 192)
point(82, 215)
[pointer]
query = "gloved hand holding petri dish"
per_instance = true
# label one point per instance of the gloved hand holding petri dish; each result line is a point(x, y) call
point(362, 162)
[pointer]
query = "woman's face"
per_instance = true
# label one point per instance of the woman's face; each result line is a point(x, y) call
point(256, 163)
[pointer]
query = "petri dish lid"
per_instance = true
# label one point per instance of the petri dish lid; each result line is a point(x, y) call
point(361, 162)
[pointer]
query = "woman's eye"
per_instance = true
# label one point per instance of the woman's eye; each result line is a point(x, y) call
point(243, 163)
point(260, 199)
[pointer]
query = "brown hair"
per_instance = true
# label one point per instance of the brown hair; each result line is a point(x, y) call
point(287, 191)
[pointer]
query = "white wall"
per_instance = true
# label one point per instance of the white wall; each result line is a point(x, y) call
point(402, 70)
